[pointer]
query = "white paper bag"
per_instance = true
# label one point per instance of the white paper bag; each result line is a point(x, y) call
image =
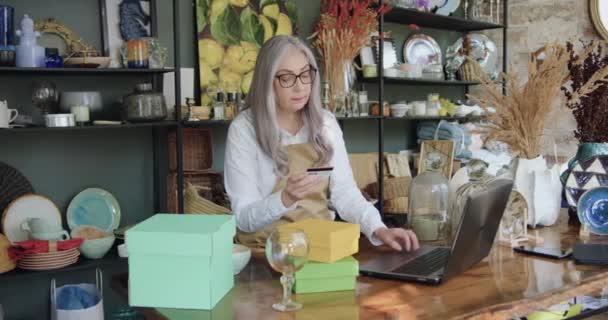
point(92, 313)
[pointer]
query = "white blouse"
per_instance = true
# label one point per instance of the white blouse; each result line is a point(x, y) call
point(249, 178)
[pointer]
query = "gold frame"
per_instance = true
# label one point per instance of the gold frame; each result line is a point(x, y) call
point(595, 18)
point(76, 46)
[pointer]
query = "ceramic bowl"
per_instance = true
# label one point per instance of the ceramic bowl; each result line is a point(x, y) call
point(240, 257)
point(97, 242)
point(399, 110)
point(593, 210)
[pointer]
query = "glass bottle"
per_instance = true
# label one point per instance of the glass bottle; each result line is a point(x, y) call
point(230, 108)
point(240, 103)
point(478, 181)
point(325, 96)
point(363, 107)
point(428, 204)
point(53, 59)
point(218, 107)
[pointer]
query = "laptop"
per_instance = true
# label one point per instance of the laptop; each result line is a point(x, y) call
point(474, 239)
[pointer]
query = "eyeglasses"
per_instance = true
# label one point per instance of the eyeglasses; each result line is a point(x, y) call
point(288, 80)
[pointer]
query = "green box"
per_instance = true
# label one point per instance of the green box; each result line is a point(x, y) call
point(181, 261)
point(325, 277)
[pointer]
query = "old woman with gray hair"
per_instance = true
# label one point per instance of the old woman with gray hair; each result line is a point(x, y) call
point(283, 132)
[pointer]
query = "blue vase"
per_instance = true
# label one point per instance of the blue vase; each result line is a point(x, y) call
point(7, 26)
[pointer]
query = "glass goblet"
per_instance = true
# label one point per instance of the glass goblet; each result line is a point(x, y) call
point(287, 252)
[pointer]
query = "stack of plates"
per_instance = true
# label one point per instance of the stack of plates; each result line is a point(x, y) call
point(49, 261)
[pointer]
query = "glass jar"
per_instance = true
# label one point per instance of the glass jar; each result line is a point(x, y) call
point(143, 104)
point(363, 107)
point(478, 182)
point(53, 59)
point(428, 203)
point(433, 105)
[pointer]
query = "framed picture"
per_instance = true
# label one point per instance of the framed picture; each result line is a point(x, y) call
point(445, 148)
point(123, 20)
point(230, 36)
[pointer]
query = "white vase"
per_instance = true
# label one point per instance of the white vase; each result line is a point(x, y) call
point(540, 187)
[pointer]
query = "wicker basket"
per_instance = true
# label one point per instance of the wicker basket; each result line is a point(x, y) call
point(393, 188)
point(470, 71)
point(396, 206)
point(197, 150)
point(199, 179)
point(196, 204)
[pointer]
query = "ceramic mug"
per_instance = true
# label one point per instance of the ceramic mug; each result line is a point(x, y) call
point(41, 229)
point(55, 235)
point(7, 115)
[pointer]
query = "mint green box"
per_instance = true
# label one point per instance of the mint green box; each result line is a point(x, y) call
point(326, 277)
point(181, 261)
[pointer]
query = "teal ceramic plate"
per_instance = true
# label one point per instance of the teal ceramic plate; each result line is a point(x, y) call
point(94, 207)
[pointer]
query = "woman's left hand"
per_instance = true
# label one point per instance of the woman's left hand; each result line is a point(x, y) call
point(398, 238)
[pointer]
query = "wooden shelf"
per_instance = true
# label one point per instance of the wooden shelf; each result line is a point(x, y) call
point(111, 259)
point(421, 81)
point(435, 21)
point(87, 71)
point(93, 127)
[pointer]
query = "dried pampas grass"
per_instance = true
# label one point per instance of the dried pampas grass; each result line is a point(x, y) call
point(522, 114)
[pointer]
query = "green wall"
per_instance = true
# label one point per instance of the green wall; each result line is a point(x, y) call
point(60, 164)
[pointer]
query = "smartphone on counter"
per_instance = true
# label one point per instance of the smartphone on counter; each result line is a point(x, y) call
point(321, 171)
point(554, 253)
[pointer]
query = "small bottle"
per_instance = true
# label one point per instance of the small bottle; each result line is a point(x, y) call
point(325, 97)
point(53, 59)
point(230, 106)
point(363, 107)
point(218, 107)
point(240, 103)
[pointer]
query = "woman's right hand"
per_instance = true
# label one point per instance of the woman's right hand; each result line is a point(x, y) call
point(298, 187)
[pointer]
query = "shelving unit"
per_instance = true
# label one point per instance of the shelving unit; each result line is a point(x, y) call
point(87, 71)
point(426, 20)
point(157, 131)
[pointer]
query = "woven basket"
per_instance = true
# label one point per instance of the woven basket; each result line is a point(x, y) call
point(396, 206)
point(197, 150)
point(393, 188)
point(470, 70)
point(195, 204)
point(199, 179)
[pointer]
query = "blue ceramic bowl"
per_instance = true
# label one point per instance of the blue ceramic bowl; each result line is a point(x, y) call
point(593, 210)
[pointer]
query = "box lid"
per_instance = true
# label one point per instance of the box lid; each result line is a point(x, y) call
point(348, 266)
point(325, 233)
point(180, 234)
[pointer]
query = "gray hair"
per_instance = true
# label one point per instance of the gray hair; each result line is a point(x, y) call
point(261, 100)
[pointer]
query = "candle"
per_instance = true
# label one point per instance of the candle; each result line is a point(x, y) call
point(81, 113)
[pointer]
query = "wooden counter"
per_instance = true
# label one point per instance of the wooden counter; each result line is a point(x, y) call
point(504, 285)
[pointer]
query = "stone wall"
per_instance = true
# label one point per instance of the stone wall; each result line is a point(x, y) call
point(532, 24)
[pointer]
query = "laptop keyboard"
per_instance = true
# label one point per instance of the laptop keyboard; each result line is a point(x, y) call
point(426, 263)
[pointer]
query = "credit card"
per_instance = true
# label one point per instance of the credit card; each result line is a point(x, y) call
point(321, 171)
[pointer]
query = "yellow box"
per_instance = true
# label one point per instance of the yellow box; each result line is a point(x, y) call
point(330, 241)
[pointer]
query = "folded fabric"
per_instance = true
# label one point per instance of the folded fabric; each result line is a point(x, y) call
point(73, 297)
point(448, 131)
point(20, 249)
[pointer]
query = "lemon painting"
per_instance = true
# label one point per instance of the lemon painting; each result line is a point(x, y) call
point(230, 35)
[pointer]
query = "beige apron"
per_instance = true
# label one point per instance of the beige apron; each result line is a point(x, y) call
point(300, 158)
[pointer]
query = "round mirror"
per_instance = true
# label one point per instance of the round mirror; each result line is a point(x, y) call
point(599, 16)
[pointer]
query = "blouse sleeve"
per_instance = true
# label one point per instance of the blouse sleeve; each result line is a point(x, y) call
point(346, 197)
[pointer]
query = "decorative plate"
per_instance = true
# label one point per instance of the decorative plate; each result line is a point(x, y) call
point(484, 51)
point(94, 207)
point(24, 207)
point(586, 175)
point(593, 210)
point(13, 185)
point(421, 49)
point(448, 8)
